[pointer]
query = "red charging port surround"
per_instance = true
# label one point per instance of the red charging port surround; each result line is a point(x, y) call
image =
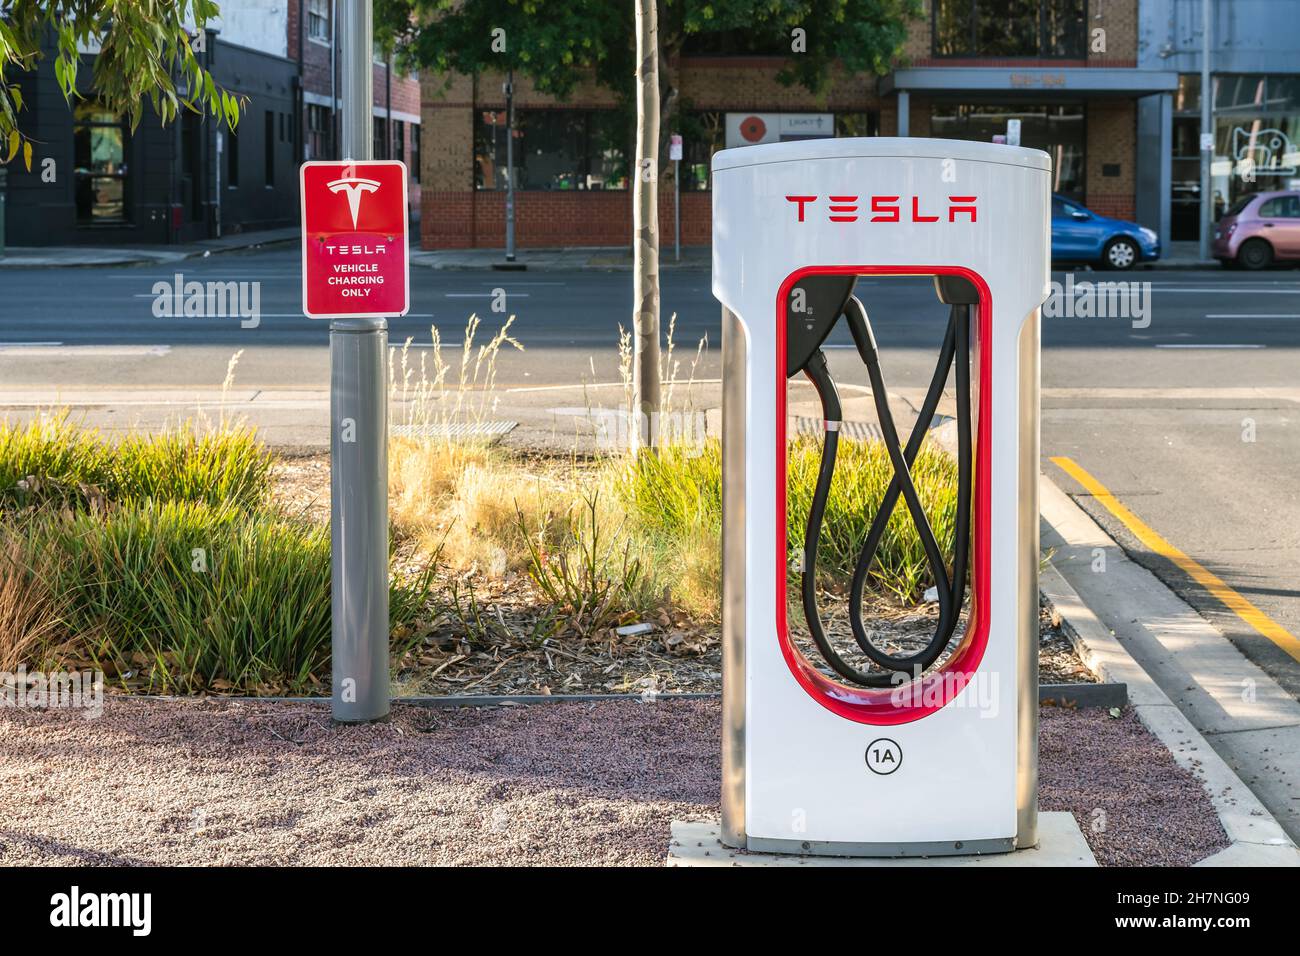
point(919, 697)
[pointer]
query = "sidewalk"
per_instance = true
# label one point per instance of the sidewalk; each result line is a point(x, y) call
point(1177, 663)
point(1181, 255)
point(40, 257)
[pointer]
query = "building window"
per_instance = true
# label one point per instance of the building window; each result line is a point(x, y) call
point(268, 149)
point(318, 20)
point(399, 140)
point(320, 128)
point(763, 41)
point(1057, 130)
point(100, 171)
point(232, 159)
point(1256, 144)
point(703, 134)
point(554, 149)
point(379, 142)
point(1009, 28)
point(415, 152)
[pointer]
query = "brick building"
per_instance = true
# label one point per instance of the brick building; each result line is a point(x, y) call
point(396, 108)
point(1105, 86)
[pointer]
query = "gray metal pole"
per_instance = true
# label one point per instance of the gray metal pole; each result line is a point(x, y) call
point(510, 166)
point(359, 441)
point(4, 192)
point(1207, 129)
point(677, 211)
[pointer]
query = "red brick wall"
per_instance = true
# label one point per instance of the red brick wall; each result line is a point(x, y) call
point(1114, 205)
point(406, 92)
point(460, 220)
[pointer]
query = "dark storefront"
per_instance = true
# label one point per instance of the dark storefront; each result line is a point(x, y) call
point(93, 180)
point(1256, 143)
point(1057, 130)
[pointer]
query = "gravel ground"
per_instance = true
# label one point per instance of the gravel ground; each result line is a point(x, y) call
point(222, 782)
point(1135, 805)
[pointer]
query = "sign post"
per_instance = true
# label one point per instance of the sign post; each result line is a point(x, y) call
point(354, 244)
point(509, 91)
point(675, 154)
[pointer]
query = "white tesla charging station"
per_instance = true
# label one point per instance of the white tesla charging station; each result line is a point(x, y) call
point(939, 757)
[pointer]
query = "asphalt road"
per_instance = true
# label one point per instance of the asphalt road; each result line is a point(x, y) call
point(1193, 421)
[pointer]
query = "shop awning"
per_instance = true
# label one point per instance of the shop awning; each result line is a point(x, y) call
point(1035, 81)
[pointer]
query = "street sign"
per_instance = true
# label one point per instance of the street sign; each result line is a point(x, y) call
point(1013, 132)
point(675, 147)
point(354, 237)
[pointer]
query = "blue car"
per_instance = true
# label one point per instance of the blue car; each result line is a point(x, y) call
point(1080, 235)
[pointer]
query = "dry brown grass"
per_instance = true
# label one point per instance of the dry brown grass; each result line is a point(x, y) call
point(31, 616)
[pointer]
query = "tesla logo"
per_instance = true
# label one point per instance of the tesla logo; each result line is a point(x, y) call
point(884, 208)
point(353, 187)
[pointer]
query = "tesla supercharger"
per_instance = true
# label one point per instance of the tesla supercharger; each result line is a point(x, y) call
point(934, 753)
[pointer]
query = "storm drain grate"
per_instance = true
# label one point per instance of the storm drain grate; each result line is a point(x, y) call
point(493, 430)
point(859, 431)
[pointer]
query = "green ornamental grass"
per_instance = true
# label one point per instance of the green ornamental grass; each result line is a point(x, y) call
point(167, 564)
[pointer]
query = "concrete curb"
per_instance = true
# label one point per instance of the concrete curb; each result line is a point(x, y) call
point(1257, 838)
point(1077, 695)
point(468, 700)
point(166, 255)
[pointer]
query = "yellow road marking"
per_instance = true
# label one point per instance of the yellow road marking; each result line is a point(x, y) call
point(1239, 605)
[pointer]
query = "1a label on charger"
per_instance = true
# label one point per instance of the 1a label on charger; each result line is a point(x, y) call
point(884, 756)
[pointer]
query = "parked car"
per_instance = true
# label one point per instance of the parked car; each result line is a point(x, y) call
point(1081, 235)
point(1258, 230)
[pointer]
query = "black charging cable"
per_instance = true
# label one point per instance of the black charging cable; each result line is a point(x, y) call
point(951, 589)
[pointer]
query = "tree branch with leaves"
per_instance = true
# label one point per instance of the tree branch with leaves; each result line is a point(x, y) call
point(145, 52)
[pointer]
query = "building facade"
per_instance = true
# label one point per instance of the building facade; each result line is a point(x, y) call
point(95, 181)
point(1255, 67)
point(1107, 87)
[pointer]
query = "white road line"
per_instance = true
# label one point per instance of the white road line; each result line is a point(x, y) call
point(59, 349)
point(1170, 345)
point(27, 345)
point(482, 295)
point(1221, 290)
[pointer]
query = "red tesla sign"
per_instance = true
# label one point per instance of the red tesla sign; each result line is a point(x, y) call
point(354, 239)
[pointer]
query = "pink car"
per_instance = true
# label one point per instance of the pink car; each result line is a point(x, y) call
point(1259, 229)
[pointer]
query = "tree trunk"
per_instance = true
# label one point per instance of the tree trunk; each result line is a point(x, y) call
point(645, 229)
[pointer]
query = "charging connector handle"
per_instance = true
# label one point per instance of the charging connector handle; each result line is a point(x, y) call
point(818, 373)
point(951, 589)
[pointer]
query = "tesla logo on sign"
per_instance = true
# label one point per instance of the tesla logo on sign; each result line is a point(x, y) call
point(354, 239)
point(353, 189)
